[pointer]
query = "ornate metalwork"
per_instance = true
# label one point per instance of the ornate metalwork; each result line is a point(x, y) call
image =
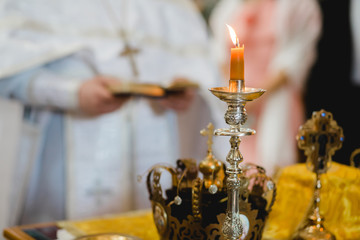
point(319, 137)
point(210, 210)
point(202, 216)
point(196, 198)
point(210, 166)
point(235, 116)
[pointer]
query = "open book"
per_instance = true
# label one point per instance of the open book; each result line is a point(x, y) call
point(150, 90)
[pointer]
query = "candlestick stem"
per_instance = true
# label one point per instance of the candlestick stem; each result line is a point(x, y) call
point(236, 96)
point(233, 227)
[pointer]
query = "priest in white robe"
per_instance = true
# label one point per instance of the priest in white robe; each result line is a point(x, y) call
point(72, 160)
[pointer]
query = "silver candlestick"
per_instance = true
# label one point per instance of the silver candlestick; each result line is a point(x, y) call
point(236, 96)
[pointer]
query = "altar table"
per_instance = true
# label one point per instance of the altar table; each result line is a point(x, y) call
point(340, 206)
point(137, 223)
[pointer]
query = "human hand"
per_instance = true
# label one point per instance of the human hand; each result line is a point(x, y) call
point(181, 101)
point(95, 98)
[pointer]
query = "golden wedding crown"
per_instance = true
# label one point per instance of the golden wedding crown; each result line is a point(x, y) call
point(194, 205)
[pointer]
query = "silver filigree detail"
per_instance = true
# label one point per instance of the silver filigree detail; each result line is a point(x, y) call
point(233, 226)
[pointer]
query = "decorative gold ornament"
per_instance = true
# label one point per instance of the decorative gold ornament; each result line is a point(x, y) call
point(201, 214)
point(211, 168)
point(319, 137)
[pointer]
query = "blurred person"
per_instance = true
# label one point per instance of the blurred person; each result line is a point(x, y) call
point(334, 80)
point(206, 7)
point(279, 38)
point(81, 148)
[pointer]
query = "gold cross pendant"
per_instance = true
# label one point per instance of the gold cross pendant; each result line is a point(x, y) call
point(130, 52)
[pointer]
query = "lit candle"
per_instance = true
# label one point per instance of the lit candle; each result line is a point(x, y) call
point(236, 63)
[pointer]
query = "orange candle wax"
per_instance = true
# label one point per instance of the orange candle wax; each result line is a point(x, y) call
point(237, 63)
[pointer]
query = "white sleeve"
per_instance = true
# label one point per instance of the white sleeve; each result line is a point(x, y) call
point(53, 85)
point(49, 89)
point(299, 27)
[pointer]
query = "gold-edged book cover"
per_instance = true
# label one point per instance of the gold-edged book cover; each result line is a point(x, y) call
point(149, 89)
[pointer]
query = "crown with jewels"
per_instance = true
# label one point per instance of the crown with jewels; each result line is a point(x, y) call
point(194, 205)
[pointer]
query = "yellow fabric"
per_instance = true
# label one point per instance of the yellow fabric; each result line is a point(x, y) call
point(340, 205)
point(139, 224)
point(340, 201)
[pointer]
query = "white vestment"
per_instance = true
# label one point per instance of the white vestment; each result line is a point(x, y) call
point(91, 164)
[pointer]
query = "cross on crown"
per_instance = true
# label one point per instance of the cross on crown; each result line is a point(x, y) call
point(208, 132)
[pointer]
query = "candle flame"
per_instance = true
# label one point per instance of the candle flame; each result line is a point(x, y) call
point(233, 36)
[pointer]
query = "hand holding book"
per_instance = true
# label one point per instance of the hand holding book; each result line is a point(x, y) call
point(177, 96)
point(179, 85)
point(181, 95)
point(94, 97)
